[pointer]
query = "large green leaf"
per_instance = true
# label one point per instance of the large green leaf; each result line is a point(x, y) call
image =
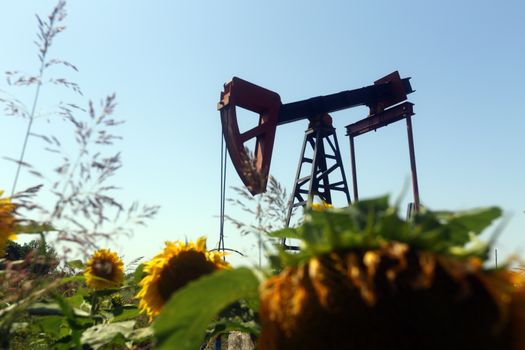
point(285, 233)
point(48, 309)
point(102, 334)
point(78, 299)
point(141, 334)
point(378, 204)
point(55, 327)
point(453, 232)
point(471, 221)
point(76, 325)
point(184, 319)
point(124, 312)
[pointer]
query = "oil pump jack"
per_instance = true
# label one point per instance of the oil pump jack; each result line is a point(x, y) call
point(386, 100)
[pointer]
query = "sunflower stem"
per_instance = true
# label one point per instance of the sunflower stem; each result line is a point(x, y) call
point(94, 303)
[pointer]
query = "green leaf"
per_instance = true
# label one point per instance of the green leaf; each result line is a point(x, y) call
point(286, 233)
point(54, 327)
point(69, 313)
point(184, 319)
point(370, 223)
point(138, 274)
point(75, 264)
point(78, 299)
point(79, 278)
point(475, 220)
point(453, 232)
point(77, 325)
point(124, 313)
point(45, 309)
point(375, 204)
point(141, 334)
point(102, 334)
point(48, 309)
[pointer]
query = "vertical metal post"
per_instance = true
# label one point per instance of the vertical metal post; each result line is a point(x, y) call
point(313, 189)
point(340, 161)
point(326, 194)
point(354, 171)
point(297, 175)
point(412, 162)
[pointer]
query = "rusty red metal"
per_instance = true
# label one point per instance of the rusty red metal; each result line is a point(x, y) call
point(264, 102)
point(397, 92)
point(379, 120)
point(415, 186)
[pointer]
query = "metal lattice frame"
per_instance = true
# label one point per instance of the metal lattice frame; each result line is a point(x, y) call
point(325, 162)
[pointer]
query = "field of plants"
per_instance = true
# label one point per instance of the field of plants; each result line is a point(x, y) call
point(364, 277)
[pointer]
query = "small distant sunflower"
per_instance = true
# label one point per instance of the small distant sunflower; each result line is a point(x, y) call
point(177, 265)
point(104, 270)
point(7, 222)
point(321, 206)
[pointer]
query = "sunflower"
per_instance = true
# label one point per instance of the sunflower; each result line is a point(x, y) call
point(413, 299)
point(321, 206)
point(104, 270)
point(7, 222)
point(178, 264)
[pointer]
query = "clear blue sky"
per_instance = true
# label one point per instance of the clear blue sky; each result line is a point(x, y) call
point(167, 61)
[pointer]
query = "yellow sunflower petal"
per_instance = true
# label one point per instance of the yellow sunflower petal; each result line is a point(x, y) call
point(7, 222)
point(321, 206)
point(173, 268)
point(201, 243)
